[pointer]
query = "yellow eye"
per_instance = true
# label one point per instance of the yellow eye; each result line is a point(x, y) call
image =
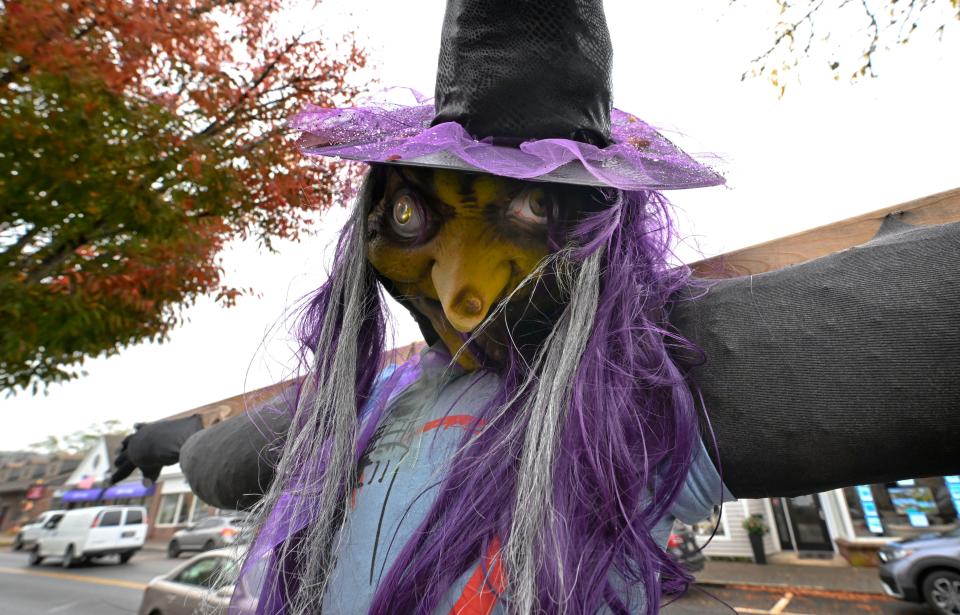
point(403, 209)
point(528, 206)
point(407, 217)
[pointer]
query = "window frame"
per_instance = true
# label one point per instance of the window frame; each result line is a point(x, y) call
point(102, 515)
point(215, 572)
point(176, 511)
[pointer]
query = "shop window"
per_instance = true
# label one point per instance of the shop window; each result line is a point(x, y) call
point(201, 510)
point(172, 510)
point(904, 508)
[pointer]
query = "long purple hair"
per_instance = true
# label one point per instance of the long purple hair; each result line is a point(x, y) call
point(623, 443)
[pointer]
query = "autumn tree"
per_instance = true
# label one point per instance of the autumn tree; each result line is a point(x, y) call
point(136, 138)
point(847, 34)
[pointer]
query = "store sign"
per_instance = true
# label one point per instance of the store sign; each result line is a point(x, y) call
point(953, 484)
point(35, 492)
point(869, 507)
point(126, 490)
point(82, 495)
point(917, 518)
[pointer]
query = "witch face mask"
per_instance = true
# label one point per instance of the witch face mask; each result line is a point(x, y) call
point(461, 247)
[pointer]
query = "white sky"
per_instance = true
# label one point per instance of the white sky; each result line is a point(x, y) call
point(827, 151)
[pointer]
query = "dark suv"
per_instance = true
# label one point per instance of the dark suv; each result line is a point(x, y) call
point(924, 569)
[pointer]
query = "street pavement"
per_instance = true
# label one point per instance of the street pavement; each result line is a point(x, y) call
point(99, 588)
point(753, 601)
point(108, 588)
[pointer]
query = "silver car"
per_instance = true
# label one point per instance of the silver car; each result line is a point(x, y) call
point(205, 583)
point(924, 569)
point(210, 533)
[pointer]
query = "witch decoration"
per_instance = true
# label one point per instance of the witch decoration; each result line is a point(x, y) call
point(579, 391)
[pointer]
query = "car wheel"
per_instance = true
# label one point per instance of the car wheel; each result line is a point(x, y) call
point(18, 542)
point(125, 556)
point(942, 591)
point(173, 549)
point(209, 545)
point(35, 559)
point(68, 558)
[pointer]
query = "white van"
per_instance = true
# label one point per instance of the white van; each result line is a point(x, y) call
point(87, 533)
point(27, 537)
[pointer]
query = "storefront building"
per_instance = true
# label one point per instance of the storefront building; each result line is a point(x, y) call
point(28, 482)
point(850, 523)
point(89, 484)
point(175, 506)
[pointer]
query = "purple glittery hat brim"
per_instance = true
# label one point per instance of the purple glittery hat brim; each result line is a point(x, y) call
point(640, 158)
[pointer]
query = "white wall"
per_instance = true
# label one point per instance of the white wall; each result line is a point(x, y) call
point(97, 464)
point(736, 543)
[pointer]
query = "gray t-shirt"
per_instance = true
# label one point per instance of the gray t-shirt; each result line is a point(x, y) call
point(399, 476)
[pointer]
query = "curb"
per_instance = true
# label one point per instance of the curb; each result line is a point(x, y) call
point(800, 590)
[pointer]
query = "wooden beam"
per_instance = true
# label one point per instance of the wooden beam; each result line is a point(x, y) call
point(821, 241)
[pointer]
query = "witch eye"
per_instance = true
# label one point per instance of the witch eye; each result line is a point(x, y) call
point(528, 206)
point(406, 215)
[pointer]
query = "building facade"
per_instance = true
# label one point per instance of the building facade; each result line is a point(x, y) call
point(28, 482)
point(850, 523)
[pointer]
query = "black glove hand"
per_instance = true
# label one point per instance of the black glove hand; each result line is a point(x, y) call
point(152, 446)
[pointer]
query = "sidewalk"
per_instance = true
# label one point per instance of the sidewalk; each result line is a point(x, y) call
point(780, 576)
point(154, 545)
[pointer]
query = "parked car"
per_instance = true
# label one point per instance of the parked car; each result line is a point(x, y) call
point(924, 569)
point(682, 544)
point(210, 533)
point(85, 533)
point(207, 582)
point(28, 534)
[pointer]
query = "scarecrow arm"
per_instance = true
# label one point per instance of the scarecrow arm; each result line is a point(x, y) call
point(838, 371)
point(231, 464)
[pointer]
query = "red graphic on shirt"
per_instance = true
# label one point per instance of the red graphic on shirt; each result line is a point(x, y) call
point(459, 420)
point(484, 586)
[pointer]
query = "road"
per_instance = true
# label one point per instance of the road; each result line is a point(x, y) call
point(731, 601)
point(96, 589)
point(107, 588)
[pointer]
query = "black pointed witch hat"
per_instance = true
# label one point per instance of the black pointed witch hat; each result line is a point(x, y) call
point(523, 90)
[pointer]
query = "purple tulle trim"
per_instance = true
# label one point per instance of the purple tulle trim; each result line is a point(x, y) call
point(639, 159)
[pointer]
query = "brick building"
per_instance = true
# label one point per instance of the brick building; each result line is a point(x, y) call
point(28, 483)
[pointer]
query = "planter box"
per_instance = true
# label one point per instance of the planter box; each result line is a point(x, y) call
point(860, 553)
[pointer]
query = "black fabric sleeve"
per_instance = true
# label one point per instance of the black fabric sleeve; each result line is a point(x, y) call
point(843, 370)
point(230, 464)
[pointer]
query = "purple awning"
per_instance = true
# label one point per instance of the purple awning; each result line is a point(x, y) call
point(81, 495)
point(128, 490)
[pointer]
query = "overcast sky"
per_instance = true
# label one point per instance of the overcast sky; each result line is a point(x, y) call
point(826, 151)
